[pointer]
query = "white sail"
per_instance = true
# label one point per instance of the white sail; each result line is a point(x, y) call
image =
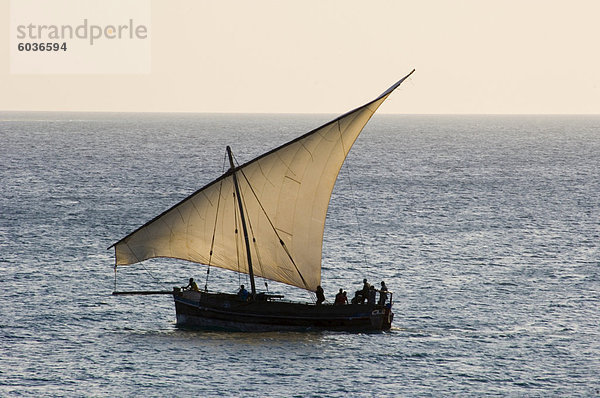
point(285, 194)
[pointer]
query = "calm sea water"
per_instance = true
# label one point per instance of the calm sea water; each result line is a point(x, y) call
point(487, 229)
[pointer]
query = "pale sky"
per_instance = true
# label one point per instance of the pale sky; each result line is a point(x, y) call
point(470, 56)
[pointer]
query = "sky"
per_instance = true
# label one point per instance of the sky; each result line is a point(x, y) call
point(471, 57)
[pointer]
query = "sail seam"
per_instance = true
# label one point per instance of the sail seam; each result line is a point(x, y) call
point(252, 233)
point(212, 243)
point(237, 236)
point(275, 230)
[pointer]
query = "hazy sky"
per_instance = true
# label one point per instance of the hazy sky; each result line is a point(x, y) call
point(472, 56)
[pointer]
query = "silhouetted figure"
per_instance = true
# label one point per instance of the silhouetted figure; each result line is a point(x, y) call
point(320, 295)
point(372, 295)
point(383, 293)
point(361, 295)
point(339, 298)
point(243, 293)
point(192, 286)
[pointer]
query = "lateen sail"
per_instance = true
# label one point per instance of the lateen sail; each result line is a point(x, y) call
point(285, 193)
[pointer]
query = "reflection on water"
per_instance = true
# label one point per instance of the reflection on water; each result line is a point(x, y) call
point(485, 228)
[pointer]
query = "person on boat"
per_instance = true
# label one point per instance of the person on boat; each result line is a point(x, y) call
point(320, 295)
point(345, 298)
point(192, 286)
point(383, 293)
point(361, 295)
point(339, 298)
point(372, 295)
point(243, 293)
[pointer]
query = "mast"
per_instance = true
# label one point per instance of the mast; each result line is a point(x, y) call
point(239, 200)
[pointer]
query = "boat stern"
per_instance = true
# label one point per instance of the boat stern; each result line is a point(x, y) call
point(382, 317)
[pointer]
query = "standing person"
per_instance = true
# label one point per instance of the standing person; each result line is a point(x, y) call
point(339, 298)
point(372, 295)
point(365, 291)
point(383, 293)
point(320, 295)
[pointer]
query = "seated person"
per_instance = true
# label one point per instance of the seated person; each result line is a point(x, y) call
point(243, 293)
point(361, 295)
point(192, 286)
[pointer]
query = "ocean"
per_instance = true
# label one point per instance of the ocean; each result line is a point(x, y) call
point(486, 228)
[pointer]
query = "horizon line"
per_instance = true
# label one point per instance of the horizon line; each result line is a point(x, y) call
point(296, 113)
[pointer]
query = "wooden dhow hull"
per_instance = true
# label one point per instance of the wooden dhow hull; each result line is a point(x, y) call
point(219, 311)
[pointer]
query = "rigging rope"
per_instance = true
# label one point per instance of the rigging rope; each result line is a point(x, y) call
point(252, 233)
point(238, 238)
point(346, 163)
point(251, 229)
point(361, 240)
point(275, 230)
point(155, 278)
point(212, 243)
